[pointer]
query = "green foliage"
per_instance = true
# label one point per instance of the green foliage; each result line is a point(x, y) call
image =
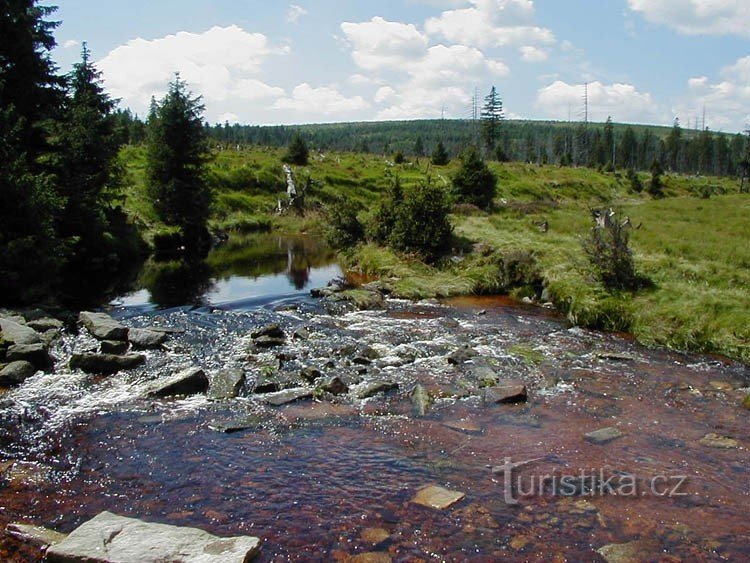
point(176, 160)
point(297, 151)
point(414, 220)
point(343, 227)
point(440, 155)
point(635, 182)
point(398, 158)
point(474, 182)
point(492, 116)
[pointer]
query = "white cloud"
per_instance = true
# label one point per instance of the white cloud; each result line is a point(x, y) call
point(419, 103)
point(727, 102)
point(384, 94)
point(453, 66)
point(623, 102)
point(70, 43)
point(491, 23)
point(696, 17)
point(229, 116)
point(381, 44)
point(360, 79)
point(532, 54)
point(294, 13)
point(221, 64)
point(324, 100)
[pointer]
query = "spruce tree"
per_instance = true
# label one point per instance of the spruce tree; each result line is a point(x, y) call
point(297, 151)
point(440, 155)
point(492, 116)
point(30, 99)
point(177, 152)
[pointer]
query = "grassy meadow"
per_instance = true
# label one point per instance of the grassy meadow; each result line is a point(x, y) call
point(693, 244)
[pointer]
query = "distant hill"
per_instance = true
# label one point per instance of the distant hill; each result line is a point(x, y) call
point(554, 142)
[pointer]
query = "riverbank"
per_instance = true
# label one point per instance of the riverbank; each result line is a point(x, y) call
point(691, 244)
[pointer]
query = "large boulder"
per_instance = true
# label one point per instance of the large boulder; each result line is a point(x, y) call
point(16, 372)
point(108, 538)
point(226, 383)
point(187, 382)
point(146, 338)
point(36, 354)
point(44, 324)
point(14, 332)
point(102, 326)
point(105, 363)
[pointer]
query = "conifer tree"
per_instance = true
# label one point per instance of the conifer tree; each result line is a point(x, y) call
point(297, 151)
point(492, 116)
point(177, 152)
point(440, 155)
point(474, 182)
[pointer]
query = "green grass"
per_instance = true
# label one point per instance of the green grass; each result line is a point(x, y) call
point(692, 244)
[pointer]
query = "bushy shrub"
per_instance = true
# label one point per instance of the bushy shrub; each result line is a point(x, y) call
point(608, 250)
point(344, 229)
point(414, 220)
point(440, 155)
point(398, 158)
point(656, 186)
point(474, 182)
point(635, 182)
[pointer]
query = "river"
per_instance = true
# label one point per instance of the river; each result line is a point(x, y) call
point(335, 477)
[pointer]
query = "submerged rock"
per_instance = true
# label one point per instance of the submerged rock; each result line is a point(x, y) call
point(715, 441)
point(16, 372)
point(288, 396)
point(34, 535)
point(105, 363)
point(187, 382)
point(511, 392)
point(604, 435)
point(437, 497)
point(146, 338)
point(372, 388)
point(108, 538)
point(102, 326)
point(631, 552)
point(226, 383)
point(236, 424)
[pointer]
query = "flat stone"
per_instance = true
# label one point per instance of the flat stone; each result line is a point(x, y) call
point(372, 557)
point(721, 385)
point(226, 383)
point(437, 497)
point(36, 354)
point(372, 388)
point(238, 424)
point(462, 355)
point(14, 332)
point(271, 330)
point(334, 385)
point(146, 338)
point(108, 538)
point(34, 535)
point(631, 552)
point(187, 382)
point(105, 363)
point(507, 394)
point(114, 346)
point(16, 372)
point(102, 326)
point(44, 324)
point(604, 435)
point(715, 441)
point(375, 535)
point(288, 396)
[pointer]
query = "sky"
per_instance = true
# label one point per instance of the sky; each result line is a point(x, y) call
point(279, 62)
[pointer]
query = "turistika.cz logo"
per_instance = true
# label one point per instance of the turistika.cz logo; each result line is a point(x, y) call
point(587, 482)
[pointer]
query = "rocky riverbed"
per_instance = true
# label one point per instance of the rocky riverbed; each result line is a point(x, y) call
point(333, 433)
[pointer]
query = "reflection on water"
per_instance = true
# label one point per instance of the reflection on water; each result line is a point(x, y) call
point(246, 271)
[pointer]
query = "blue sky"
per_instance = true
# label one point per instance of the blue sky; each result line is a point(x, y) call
point(261, 62)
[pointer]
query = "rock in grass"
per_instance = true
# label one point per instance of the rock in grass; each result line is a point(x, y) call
point(604, 435)
point(510, 393)
point(102, 326)
point(16, 372)
point(437, 497)
point(187, 382)
point(105, 363)
point(226, 384)
point(146, 338)
point(108, 538)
